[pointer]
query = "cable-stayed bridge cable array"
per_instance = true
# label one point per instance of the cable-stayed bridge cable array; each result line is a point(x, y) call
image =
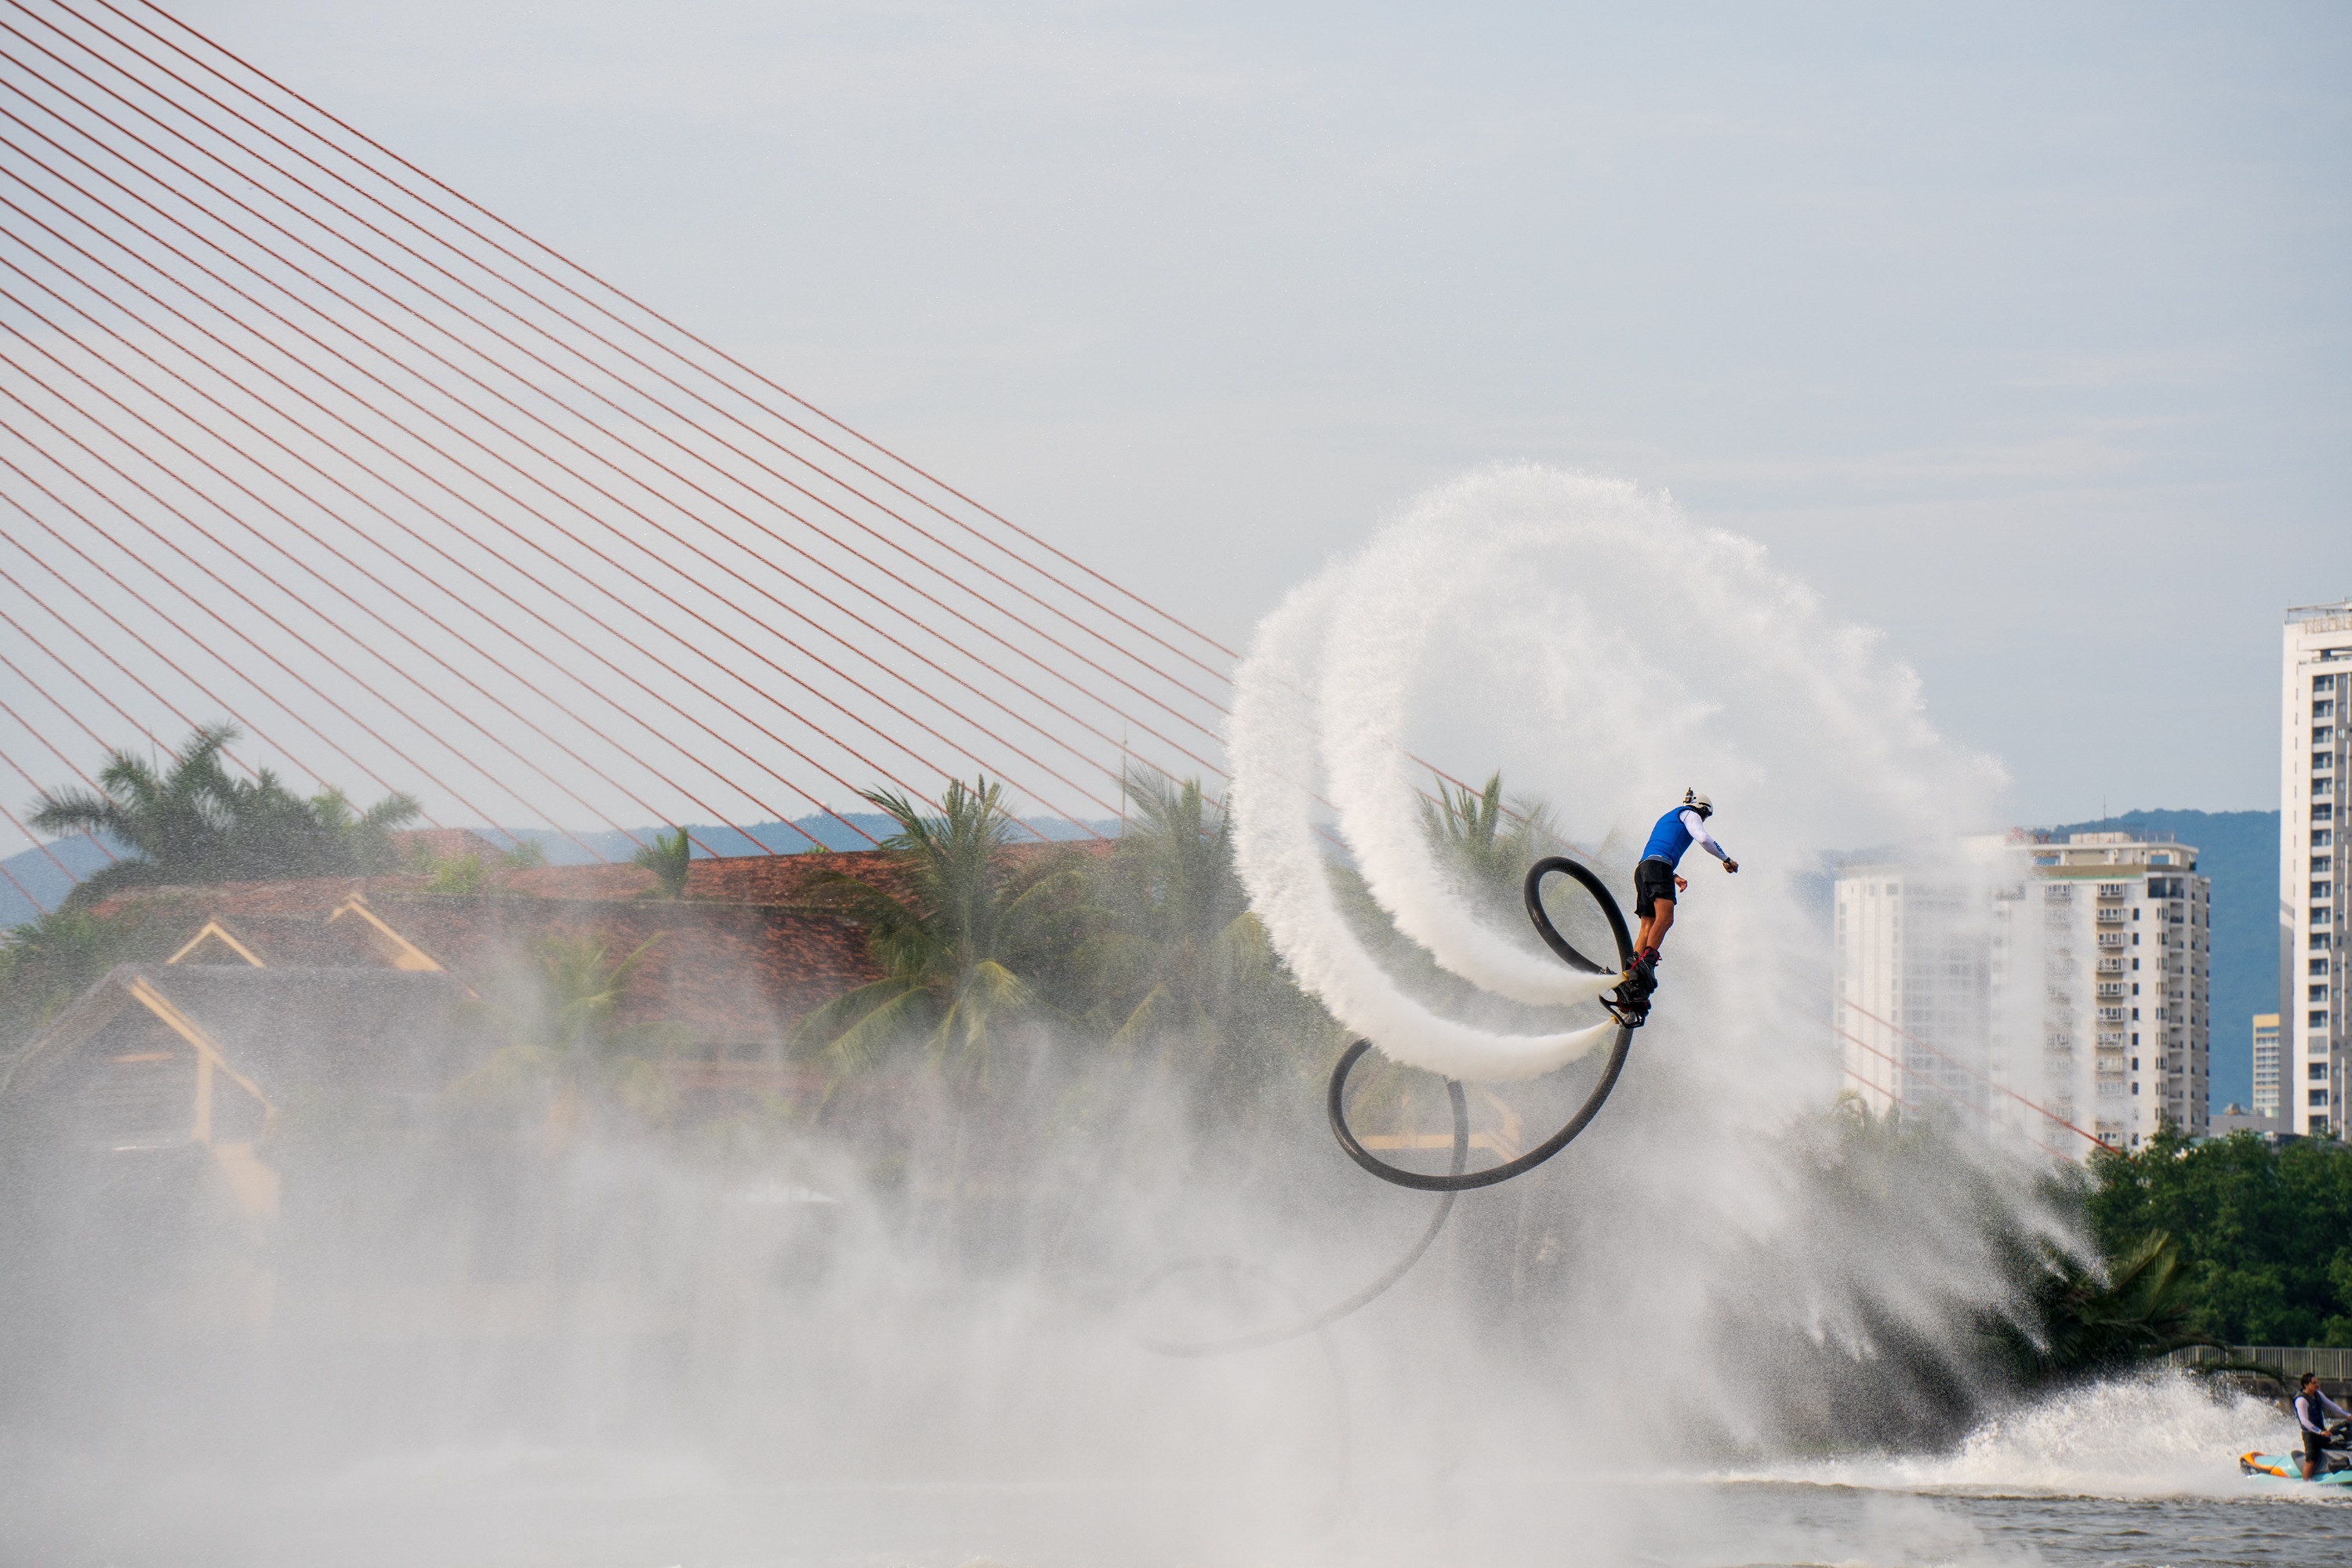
point(293, 435)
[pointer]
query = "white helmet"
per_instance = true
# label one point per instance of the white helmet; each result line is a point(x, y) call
point(1699, 803)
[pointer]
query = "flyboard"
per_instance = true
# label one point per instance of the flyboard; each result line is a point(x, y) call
point(1628, 1010)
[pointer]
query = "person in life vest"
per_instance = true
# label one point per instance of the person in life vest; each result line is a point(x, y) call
point(2311, 1408)
point(1656, 883)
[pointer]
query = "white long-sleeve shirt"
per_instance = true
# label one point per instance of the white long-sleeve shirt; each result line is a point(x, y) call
point(2309, 1411)
point(1700, 837)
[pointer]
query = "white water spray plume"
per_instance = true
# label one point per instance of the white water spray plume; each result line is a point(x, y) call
point(1606, 654)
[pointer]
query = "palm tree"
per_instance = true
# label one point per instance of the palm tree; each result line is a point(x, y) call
point(964, 952)
point(565, 1040)
point(1176, 953)
point(1491, 856)
point(2094, 1320)
point(193, 822)
point(668, 857)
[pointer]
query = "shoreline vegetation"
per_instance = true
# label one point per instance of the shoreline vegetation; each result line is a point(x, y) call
point(1142, 956)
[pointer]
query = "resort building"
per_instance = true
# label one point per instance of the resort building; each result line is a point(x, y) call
point(2317, 682)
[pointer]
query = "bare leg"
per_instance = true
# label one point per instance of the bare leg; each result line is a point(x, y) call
point(1662, 920)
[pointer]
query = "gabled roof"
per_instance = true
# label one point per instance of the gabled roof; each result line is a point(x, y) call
point(733, 974)
point(276, 1031)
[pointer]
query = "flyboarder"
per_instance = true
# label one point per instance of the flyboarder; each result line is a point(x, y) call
point(1656, 883)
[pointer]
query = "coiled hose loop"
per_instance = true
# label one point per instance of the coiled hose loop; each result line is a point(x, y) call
point(1457, 1180)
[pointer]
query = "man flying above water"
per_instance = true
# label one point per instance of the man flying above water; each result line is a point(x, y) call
point(1656, 883)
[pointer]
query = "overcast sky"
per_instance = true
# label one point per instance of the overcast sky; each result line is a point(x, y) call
point(2020, 330)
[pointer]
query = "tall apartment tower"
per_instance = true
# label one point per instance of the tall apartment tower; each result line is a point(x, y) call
point(2266, 1065)
point(2312, 1044)
point(2075, 978)
point(1912, 994)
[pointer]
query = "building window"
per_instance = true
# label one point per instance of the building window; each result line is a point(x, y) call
point(2323, 786)
point(2319, 942)
point(2322, 812)
point(2323, 710)
point(2323, 683)
point(2316, 1069)
point(2321, 837)
point(2318, 1021)
point(2319, 891)
point(2318, 994)
point(2317, 1096)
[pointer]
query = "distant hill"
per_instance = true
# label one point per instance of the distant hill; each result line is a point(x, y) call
point(35, 873)
point(2239, 849)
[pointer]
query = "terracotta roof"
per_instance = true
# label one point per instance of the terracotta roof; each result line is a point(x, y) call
point(442, 843)
point(736, 975)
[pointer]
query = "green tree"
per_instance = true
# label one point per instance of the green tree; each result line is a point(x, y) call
point(668, 857)
point(967, 950)
point(1176, 957)
point(191, 823)
point(2138, 1306)
point(1489, 846)
point(47, 963)
point(2264, 1232)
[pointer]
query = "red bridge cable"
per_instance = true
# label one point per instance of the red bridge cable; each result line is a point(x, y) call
point(588, 451)
point(104, 746)
point(227, 625)
point(217, 542)
point(6, 576)
point(247, 148)
point(1972, 1072)
point(476, 575)
point(631, 328)
point(144, 201)
point(349, 597)
point(31, 838)
point(1939, 1088)
point(38, 787)
point(234, 717)
point(463, 468)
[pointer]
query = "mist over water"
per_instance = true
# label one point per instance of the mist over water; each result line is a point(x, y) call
point(1713, 1330)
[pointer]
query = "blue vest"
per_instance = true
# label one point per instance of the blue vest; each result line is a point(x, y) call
point(1669, 839)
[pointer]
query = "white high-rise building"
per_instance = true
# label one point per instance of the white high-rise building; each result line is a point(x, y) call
point(2061, 991)
point(2312, 1035)
point(2266, 1065)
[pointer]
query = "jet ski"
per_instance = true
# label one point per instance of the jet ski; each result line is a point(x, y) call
point(2289, 1467)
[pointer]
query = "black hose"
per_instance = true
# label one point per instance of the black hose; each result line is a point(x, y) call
point(1338, 1309)
point(1456, 1181)
point(1628, 1020)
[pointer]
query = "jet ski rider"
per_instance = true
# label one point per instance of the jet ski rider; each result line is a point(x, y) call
point(2310, 1414)
point(1656, 883)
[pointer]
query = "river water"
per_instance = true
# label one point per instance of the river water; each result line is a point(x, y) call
point(545, 1511)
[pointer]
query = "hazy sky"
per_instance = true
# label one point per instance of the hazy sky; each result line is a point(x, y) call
point(2021, 331)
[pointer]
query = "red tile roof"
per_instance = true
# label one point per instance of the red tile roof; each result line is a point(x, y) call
point(737, 975)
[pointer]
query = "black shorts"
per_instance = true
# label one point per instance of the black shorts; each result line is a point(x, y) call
point(2315, 1449)
point(1653, 880)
